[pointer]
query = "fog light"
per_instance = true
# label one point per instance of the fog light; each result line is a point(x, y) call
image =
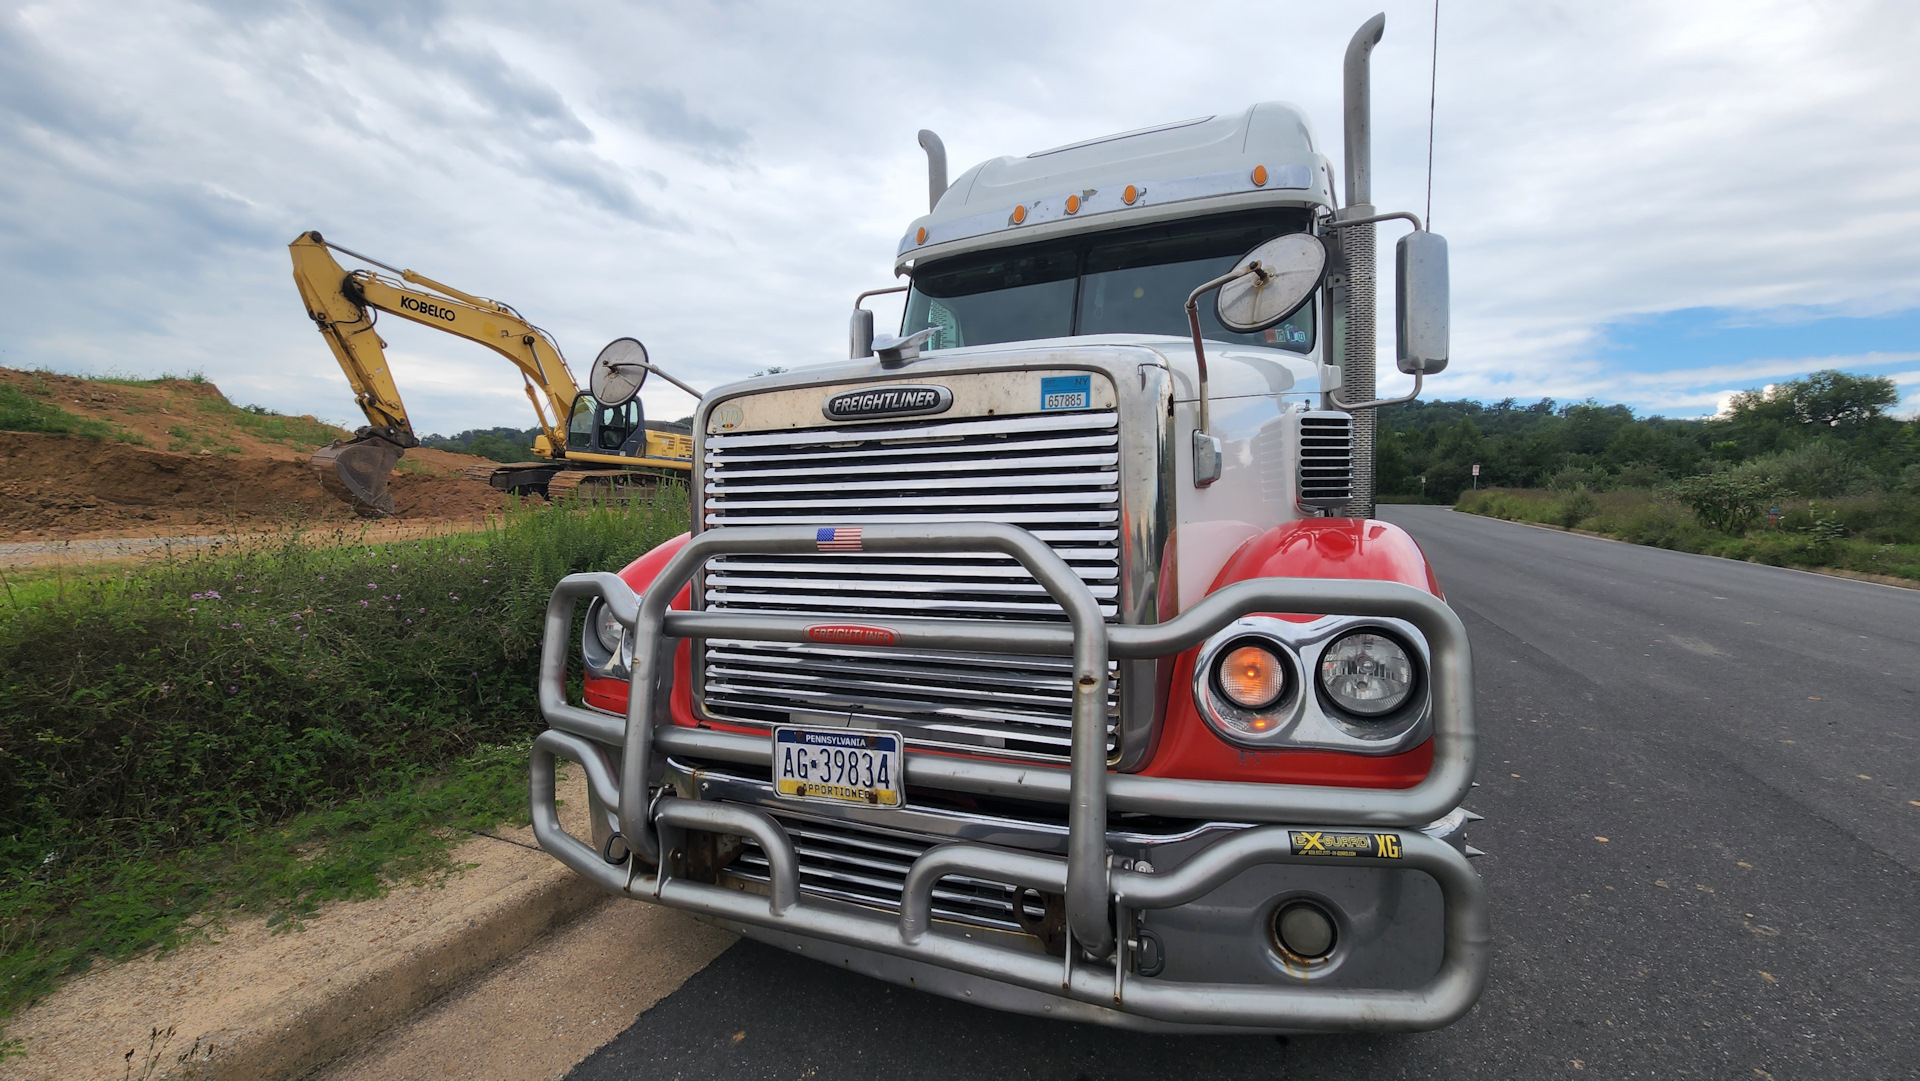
point(1304, 929)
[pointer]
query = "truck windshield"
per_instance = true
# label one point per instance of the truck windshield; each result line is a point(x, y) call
point(1127, 282)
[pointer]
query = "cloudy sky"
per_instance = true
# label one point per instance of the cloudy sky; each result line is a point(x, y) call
point(1650, 203)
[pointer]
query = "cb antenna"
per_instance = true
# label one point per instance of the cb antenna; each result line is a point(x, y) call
point(1433, 85)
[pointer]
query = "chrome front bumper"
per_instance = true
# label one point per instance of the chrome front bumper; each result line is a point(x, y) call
point(1111, 904)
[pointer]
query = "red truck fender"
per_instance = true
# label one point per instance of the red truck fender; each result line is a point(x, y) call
point(1307, 548)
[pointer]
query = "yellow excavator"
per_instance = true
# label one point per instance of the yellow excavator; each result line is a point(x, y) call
point(593, 439)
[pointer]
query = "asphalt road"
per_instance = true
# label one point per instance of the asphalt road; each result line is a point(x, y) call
point(1700, 781)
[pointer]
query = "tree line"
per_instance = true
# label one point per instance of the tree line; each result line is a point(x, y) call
point(1830, 434)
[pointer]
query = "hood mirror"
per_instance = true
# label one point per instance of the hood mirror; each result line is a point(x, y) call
point(1271, 282)
point(619, 372)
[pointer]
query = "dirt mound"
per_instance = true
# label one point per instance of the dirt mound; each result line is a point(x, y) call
point(157, 457)
point(185, 416)
point(64, 486)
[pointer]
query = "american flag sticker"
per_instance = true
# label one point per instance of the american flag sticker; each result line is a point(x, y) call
point(837, 538)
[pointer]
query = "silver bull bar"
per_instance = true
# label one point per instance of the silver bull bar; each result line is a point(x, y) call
point(1095, 890)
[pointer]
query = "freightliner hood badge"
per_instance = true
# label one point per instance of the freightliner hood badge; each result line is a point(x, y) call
point(893, 401)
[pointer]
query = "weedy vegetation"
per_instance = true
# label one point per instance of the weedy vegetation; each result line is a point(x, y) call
point(1809, 473)
point(261, 729)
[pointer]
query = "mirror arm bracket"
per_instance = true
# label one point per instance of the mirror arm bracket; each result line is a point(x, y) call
point(861, 332)
point(683, 386)
point(1334, 397)
point(1193, 324)
point(1404, 215)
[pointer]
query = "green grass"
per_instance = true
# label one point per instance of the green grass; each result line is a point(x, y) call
point(24, 412)
point(119, 379)
point(262, 728)
point(1875, 534)
point(301, 433)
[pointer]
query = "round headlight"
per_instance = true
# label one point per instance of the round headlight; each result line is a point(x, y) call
point(1250, 676)
point(606, 628)
point(1366, 674)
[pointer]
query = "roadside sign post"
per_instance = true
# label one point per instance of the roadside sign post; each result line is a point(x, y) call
point(1476, 478)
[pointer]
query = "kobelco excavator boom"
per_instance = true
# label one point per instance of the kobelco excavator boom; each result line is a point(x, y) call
point(345, 305)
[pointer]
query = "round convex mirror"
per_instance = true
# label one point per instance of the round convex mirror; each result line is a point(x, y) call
point(618, 372)
point(1289, 270)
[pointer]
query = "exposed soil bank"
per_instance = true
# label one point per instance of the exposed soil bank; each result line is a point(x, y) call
point(62, 486)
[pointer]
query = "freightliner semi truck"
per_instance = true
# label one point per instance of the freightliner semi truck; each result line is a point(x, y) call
point(1046, 655)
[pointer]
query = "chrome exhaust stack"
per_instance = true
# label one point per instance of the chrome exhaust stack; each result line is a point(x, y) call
point(936, 167)
point(1353, 297)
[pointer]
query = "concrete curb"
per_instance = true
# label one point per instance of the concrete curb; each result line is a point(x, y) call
point(350, 1007)
point(258, 1003)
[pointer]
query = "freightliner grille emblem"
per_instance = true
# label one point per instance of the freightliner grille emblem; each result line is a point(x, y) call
point(888, 402)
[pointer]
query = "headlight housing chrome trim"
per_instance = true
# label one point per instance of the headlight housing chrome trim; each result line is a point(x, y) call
point(600, 659)
point(1303, 719)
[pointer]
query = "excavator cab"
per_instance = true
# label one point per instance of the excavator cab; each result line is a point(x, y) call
point(605, 429)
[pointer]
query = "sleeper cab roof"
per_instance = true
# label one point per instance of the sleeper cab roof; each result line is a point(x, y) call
point(1261, 157)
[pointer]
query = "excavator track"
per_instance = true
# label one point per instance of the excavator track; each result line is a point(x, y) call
point(602, 484)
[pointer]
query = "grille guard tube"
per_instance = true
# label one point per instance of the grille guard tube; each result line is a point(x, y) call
point(1086, 787)
point(1443, 999)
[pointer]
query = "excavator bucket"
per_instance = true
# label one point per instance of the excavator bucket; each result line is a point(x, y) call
point(356, 473)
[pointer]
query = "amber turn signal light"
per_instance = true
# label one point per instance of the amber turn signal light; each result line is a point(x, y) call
point(1251, 677)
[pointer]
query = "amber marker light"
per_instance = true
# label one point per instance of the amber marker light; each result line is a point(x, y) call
point(1259, 176)
point(1252, 678)
point(1073, 204)
point(921, 236)
point(1130, 195)
point(1019, 214)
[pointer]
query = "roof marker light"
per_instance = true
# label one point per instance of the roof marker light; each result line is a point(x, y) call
point(921, 236)
point(1259, 176)
point(1019, 214)
point(1073, 204)
point(1130, 195)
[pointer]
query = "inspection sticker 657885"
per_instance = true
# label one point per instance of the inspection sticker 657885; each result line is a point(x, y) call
point(1065, 392)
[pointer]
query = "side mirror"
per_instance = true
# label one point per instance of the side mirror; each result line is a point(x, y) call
point(618, 372)
point(860, 334)
point(1421, 303)
point(1271, 282)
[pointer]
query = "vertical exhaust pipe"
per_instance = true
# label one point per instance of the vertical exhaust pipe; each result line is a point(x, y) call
point(1354, 308)
point(936, 167)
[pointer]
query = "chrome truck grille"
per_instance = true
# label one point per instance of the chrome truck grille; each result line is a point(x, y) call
point(1326, 459)
point(869, 867)
point(1055, 474)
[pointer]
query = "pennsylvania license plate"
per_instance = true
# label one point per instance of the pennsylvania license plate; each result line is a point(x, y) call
point(838, 765)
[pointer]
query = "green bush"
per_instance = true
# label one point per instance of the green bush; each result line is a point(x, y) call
point(206, 701)
point(1812, 470)
point(1575, 478)
point(1574, 507)
point(1726, 502)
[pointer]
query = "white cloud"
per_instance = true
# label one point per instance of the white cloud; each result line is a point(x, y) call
point(720, 180)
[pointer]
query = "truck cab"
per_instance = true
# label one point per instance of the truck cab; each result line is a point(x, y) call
point(1039, 654)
